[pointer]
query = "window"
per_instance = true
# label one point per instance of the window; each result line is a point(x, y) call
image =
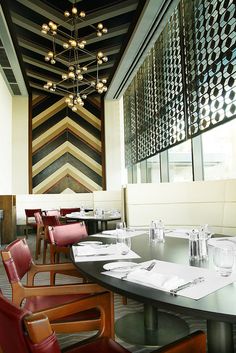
point(219, 152)
point(180, 162)
point(153, 169)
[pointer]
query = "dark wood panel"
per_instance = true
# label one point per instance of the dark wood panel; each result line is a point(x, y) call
point(8, 226)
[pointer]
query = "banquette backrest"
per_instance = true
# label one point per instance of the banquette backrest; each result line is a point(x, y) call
point(184, 204)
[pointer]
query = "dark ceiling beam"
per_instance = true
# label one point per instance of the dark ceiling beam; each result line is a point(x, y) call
point(51, 68)
point(46, 11)
point(108, 13)
point(29, 45)
point(34, 28)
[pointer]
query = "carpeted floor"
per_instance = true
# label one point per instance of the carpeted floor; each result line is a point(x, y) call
point(120, 309)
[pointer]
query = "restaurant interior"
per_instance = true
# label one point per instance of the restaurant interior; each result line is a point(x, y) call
point(118, 176)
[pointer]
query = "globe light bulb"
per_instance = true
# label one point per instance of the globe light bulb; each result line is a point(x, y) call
point(74, 10)
point(82, 14)
point(66, 14)
point(100, 26)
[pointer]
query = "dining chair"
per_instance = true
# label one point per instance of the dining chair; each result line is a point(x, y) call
point(62, 236)
point(33, 333)
point(65, 211)
point(51, 220)
point(30, 219)
point(52, 213)
point(39, 233)
point(92, 303)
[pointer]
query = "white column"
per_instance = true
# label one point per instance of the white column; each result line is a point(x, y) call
point(5, 139)
point(20, 136)
point(114, 144)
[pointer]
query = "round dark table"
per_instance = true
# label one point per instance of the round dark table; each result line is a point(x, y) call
point(218, 308)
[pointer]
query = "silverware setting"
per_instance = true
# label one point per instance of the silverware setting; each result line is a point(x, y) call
point(186, 285)
point(148, 268)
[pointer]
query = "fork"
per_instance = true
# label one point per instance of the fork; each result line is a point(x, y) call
point(149, 268)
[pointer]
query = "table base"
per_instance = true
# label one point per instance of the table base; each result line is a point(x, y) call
point(220, 337)
point(131, 328)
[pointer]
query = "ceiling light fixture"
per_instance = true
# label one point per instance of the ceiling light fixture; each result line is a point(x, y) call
point(82, 83)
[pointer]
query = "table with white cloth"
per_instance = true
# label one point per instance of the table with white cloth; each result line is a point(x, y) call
point(213, 300)
point(93, 221)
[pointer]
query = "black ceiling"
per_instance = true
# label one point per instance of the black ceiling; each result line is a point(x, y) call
point(27, 17)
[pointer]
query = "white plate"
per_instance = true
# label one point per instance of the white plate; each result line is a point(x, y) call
point(90, 242)
point(121, 266)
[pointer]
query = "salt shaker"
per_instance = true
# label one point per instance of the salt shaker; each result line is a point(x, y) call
point(157, 231)
point(203, 243)
point(194, 249)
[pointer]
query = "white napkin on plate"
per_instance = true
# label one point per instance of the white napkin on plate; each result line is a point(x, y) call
point(155, 279)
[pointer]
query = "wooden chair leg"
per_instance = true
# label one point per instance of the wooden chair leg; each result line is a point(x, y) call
point(45, 245)
point(124, 300)
point(38, 247)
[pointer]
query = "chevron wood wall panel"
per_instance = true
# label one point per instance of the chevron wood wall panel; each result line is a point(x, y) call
point(66, 147)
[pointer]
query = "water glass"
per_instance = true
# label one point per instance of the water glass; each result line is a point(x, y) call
point(122, 240)
point(223, 258)
point(123, 243)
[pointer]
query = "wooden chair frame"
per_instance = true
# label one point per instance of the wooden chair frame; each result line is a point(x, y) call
point(97, 297)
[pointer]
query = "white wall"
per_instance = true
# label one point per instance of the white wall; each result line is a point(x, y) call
point(114, 144)
point(20, 180)
point(5, 139)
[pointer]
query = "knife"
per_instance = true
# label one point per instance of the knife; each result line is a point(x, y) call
point(186, 285)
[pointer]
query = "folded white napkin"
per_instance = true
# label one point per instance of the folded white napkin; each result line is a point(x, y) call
point(89, 250)
point(155, 279)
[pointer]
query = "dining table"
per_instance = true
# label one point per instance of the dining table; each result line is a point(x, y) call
point(218, 308)
point(93, 221)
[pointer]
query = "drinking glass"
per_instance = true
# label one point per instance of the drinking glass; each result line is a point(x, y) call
point(122, 240)
point(223, 258)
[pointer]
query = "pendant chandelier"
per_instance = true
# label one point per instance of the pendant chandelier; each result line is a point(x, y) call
point(73, 49)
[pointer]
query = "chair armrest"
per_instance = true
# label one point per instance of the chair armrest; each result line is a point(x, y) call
point(64, 268)
point(104, 302)
point(83, 288)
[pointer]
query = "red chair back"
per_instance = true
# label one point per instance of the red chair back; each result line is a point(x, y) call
point(20, 261)
point(65, 211)
point(31, 212)
point(67, 234)
point(12, 338)
point(50, 221)
point(12, 334)
point(38, 218)
point(52, 213)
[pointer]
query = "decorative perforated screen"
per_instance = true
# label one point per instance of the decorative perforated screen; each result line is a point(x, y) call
point(187, 83)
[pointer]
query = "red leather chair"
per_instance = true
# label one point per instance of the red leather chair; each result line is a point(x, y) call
point(33, 334)
point(30, 220)
point(62, 236)
point(45, 299)
point(52, 213)
point(39, 233)
point(65, 211)
point(48, 221)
